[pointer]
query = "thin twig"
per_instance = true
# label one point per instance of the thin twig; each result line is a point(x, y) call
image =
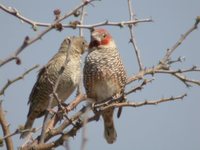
point(9, 82)
point(83, 13)
point(146, 81)
point(34, 24)
point(191, 69)
point(74, 103)
point(186, 80)
point(147, 102)
point(160, 69)
point(5, 128)
point(142, 73)
point(17, 14)
point(110, 23)
point(162, 64)
point(28, 41)
point(59, 130)
point(133, 39)
point(84, 131)
point(51, 133)
point(179, 42)
point(20, 131)
point(82, 19)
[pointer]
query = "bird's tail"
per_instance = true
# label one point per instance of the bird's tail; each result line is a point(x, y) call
point(109, 128)
point(28, 125)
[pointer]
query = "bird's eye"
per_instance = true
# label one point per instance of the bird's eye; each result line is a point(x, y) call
point(83, 43)
point(104, 35)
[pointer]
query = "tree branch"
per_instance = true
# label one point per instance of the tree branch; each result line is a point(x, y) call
point(34, 24)
point(179, 42)
point(9, 82)
point(5, 128)
point(140, 87)
point(163, 64)
point(139, 104)
point(27, 42)
point(133, 39)
point(71, 133)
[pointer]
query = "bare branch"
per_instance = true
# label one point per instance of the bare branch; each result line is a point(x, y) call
point(179, 74)
point(65, 135)
point(74, 103)
point(83, 13)
point(133, 39)
point(59, 130)
point(84, 132)
point(19, 131)
point(147, 102)
point(147, 71)
point(17, 14)
point(161, 69)
point(5, 128)
point(162, 65)
point(34, 24)
point(29, 41)
point(124, 104)
point(179, 42)
point(140, 87)
point(65, 124)
point(186, 80)
point(9, 82)
point(110, 23)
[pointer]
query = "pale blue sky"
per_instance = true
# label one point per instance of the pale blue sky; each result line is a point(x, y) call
point(167, 126)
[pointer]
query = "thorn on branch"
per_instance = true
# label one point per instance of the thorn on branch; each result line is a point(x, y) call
point(26, 40)
point(194, 67)
point(131, 40)
point(197, 21)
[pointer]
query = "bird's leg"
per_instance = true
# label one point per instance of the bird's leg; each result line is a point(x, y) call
point(59, 115)
point(61, 110)
point(95, 111)
point(122, 99)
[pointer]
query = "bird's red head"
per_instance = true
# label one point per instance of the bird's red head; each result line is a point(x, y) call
point(100, 37)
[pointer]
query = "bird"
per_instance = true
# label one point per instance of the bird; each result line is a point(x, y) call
point(70, 52)
point(104, 76)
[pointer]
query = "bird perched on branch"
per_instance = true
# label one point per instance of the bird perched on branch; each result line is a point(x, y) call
point(104, 76)
point(68, 57)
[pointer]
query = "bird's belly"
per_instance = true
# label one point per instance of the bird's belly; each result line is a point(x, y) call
point(65, 89)
point(105, 89)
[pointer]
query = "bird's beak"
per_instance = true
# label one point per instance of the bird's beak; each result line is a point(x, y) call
point(95, 37)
